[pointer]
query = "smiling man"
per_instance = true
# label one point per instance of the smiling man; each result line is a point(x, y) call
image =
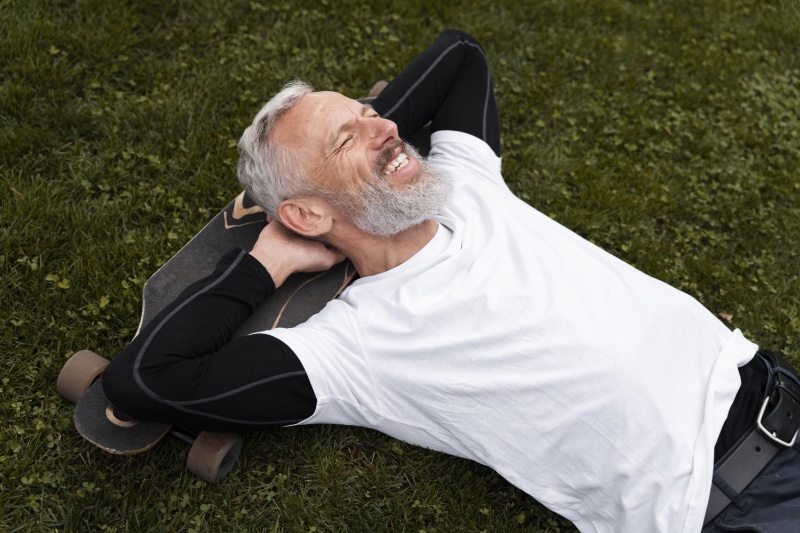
point(479, 327)
point(360, 187)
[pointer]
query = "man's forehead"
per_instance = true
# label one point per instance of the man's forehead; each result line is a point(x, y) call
point(332, 96)
point(327, 102)
point(317, 115)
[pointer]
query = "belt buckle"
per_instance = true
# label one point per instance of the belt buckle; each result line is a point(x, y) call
point(771, 434)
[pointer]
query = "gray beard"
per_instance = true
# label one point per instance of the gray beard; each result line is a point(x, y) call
point(383, 211)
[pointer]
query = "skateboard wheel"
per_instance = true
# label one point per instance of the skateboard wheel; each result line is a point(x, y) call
point(78, 374)
point(213, 455)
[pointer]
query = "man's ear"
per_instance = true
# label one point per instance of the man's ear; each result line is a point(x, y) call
point(305, 216)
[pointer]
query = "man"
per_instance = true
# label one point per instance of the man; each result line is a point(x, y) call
point(479, 327)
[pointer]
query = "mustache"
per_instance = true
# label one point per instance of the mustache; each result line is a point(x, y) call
point(387, 154)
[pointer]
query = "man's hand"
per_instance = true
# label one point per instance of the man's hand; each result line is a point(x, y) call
point(282, 253)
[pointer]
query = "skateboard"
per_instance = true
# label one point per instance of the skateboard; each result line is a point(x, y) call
point(212, 455)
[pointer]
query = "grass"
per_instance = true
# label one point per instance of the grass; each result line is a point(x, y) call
point(666, 132)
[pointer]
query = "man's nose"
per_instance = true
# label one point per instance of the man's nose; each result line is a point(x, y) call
point(381, 131)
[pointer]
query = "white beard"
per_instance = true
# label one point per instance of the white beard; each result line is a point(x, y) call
point(383, 211)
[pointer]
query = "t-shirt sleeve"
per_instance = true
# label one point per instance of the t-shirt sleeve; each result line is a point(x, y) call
point(329, 349)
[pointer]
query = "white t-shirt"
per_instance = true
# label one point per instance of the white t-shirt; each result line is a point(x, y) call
point(512, 341)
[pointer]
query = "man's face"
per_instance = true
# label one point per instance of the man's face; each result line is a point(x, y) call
point(360, 165)
point(344, 143)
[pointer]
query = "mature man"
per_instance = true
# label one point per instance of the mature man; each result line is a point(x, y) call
point(479, 327)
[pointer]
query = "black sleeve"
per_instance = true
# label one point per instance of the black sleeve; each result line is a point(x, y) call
point(448, 85)
point(183, 367)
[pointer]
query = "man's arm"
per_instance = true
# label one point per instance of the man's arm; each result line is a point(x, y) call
point(183, 368)
point(449, 85)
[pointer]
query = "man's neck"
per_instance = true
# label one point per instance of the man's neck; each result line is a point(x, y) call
point(373, 255)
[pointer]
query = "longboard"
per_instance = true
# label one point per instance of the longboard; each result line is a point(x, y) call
point(301, 296)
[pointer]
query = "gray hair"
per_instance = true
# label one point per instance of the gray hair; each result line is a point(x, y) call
point(269, 172)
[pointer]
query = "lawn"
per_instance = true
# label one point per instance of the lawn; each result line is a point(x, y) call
point(667, 132)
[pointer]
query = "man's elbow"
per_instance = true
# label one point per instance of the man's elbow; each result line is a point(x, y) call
point(124, 392)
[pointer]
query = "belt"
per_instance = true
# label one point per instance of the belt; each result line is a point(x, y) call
point(776, 429)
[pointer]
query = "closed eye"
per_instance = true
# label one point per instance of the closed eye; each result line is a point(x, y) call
point(367, 111)
point(344, 144)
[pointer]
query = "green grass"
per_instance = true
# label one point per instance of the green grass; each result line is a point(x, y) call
point(666, 132)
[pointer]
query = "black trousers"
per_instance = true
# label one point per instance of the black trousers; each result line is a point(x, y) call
point(771, 502)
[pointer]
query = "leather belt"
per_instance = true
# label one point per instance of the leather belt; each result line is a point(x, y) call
point(776, 429)
point(740, 468)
